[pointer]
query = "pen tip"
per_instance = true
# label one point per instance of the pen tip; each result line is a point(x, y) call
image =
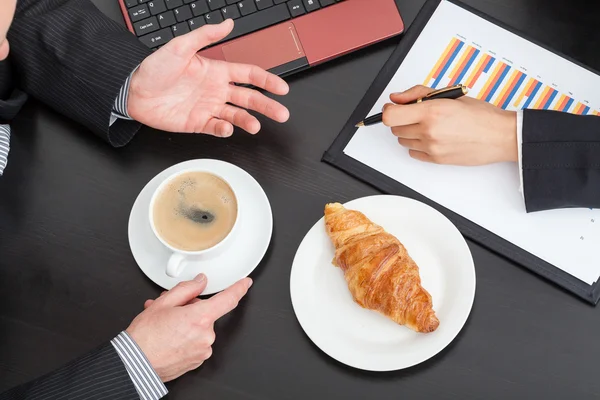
point(359, 125)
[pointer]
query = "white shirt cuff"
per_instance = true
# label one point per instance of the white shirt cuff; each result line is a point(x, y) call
point(144, 378)
point(120, 107)
point(4, 146)
point(520, 150)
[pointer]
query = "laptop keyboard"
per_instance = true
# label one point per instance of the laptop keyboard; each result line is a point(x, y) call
point(157, 21)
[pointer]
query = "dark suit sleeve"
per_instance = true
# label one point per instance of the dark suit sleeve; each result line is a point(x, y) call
point(98, 375)
point(11, 99)
point(72, 57)
point(561, 160)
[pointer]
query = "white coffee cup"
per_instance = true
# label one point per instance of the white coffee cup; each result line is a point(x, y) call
point(178, 258)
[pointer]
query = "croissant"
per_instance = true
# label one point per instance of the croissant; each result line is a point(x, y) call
point(379, 272)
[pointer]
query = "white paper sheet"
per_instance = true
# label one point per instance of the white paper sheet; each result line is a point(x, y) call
point(489, 195)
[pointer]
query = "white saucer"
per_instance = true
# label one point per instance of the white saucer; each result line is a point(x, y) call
point(363, 338)
point(236, 261)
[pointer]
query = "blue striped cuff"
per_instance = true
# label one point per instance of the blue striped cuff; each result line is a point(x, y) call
point(120, 107)
point(144, 378)
point(4, 146)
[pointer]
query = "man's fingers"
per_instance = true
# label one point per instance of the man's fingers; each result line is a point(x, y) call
point(254, 100)
point(224, 302)
point(412, 144)
point(414, 131)
point(149, 302)
point(412, 94)
point(400, 115)
point(421, 156)
point(217, 127)
point(183, 293)
point(256, 76)
point(4, 50)
point(189, 44)
point(241, 118)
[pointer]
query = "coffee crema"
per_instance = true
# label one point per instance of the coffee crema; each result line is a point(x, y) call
point(195, 211)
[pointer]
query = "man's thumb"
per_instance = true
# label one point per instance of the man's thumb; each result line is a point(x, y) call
point(412, 94)
point(189, 44)
point(184, 292)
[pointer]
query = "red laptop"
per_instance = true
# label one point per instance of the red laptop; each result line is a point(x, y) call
point(283, 36)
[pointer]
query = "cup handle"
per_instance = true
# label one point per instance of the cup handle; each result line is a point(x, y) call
point(174, 265)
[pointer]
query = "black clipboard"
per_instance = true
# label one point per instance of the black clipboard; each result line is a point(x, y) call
point(335, 156)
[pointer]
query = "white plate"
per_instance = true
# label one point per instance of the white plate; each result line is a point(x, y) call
point(234, 262)
point(363, 338)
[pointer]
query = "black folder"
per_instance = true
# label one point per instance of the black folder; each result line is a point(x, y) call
point(336, 157)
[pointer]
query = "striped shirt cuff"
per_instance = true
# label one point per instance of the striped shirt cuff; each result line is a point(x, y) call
point(120, 107)
point(520, 150)
point(144, 378)
point(4, 146)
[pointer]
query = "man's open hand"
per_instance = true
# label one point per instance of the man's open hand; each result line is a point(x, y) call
point(177, 90)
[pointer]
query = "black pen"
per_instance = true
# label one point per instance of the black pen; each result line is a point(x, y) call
point(452, 92)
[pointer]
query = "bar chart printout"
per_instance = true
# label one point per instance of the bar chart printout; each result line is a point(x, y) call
point(512, 73)
point(497, 81)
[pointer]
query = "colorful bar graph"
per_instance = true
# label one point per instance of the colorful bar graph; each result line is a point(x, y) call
point(459, 72)
point(568, 105)
point(501, 84)
point(489, 65)
point(560, 103)
point(526, 92)
point(435, 72)
point(543, 98)
point(461, 62)
point(553, 94)
point(564, 103)
point(579, 109)
point(484, 63)
point(536, 88)
point(494, 81)
point(510, 90)
point(447, 64)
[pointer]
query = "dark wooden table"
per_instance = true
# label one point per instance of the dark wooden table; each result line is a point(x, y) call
point(68, 281)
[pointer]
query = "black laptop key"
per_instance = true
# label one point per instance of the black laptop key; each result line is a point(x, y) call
point(171, 4)
point(262, 4)
point(197, 22)
point(259, 20)
point(311, 5)
point(230, 2)
point(146, 26)
point(325, 3)
point(166, 19)
point(200, 8)
point(214, 17)
point(180, 29)
point(280, 1)
point(138, 13)
point(131, 3)
point(157, 38)
point(296, 7)
point(230, 12)
point(157, 6)
point(247, 7)
point(216, 4)
point(183, 13)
